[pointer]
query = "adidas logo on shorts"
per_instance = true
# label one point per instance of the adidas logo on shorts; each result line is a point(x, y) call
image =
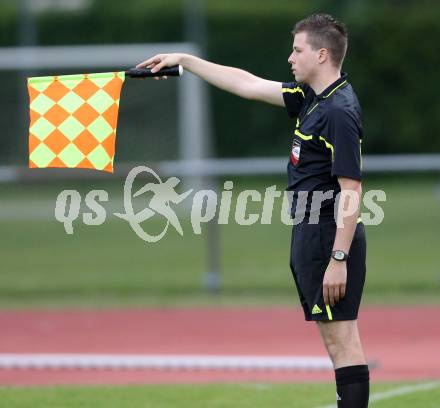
point(316, 310)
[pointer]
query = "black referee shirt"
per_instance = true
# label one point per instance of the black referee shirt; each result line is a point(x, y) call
point(326, 139)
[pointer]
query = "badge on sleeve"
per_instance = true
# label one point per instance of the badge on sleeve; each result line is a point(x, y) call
point(296, 149)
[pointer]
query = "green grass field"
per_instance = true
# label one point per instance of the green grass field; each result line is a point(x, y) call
point(209, 396)
point(109, 266)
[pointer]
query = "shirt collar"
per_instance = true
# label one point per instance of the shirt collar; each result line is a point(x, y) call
point(332, 88)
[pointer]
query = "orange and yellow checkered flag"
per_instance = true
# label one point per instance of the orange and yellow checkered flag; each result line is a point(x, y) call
point(73, 120)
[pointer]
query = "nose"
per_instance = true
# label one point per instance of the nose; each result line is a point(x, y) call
point(290, 59)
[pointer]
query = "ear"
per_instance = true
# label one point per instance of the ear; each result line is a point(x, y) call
point(323, 55)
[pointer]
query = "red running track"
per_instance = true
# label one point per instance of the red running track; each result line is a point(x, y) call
point(403, 341)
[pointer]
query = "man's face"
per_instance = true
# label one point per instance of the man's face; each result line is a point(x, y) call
point(303, 60)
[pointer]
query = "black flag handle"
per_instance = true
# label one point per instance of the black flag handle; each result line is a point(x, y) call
point(176, 70)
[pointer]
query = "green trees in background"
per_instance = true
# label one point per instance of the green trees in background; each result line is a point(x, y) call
point(392, 60)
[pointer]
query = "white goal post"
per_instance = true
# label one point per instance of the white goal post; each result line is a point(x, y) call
point(194, 130)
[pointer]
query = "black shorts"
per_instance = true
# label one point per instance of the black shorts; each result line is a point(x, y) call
point(311, 250)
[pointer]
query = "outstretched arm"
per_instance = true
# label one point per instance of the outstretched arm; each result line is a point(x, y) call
point(230, 79)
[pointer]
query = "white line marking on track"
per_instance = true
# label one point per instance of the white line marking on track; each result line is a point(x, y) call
point(397, 392)
point(145, 361)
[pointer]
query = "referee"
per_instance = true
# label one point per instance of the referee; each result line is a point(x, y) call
point(328, 248)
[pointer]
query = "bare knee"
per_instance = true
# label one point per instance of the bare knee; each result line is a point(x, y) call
point(342, 342)
point(335, 345)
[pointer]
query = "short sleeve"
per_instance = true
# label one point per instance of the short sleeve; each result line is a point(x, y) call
point(343, 134)
point(294, 95)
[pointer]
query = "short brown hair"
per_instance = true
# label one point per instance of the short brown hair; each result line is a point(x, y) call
point(324, 31)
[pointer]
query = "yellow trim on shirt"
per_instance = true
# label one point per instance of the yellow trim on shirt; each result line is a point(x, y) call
point(311, 110)
point(294, 90)
point(302, 136)
point(328, 145)
point(342, 83)
point(326, 96)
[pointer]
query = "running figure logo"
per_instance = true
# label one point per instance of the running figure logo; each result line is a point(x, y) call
point(164, 194)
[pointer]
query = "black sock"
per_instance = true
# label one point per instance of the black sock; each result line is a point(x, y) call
point(353, 386)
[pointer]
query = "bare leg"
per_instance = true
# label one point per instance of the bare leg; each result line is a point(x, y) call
point(341, 338)
point(342, 341)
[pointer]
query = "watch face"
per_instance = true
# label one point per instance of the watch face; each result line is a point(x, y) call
point(339, 255)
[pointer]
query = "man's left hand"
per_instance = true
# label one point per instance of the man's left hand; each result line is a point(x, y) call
point(335, 281)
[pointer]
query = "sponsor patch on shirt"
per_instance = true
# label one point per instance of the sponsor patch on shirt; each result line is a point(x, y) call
point(296, 150)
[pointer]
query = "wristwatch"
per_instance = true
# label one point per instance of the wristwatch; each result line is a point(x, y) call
point(339, 255)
